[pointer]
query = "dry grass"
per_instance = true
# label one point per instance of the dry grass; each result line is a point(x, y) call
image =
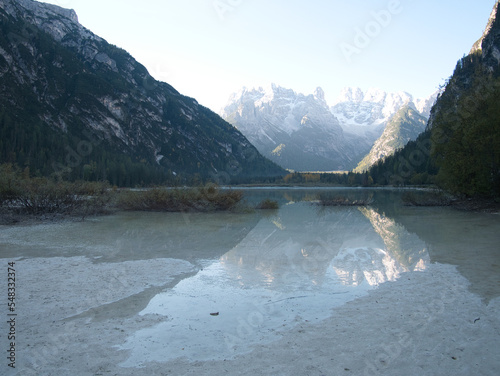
point(179, 200)
point(22, 194)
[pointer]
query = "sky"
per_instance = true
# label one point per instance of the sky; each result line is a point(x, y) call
point(208, 49)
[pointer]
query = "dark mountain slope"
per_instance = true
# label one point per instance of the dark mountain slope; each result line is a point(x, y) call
point(72, 104)
point(460, 149)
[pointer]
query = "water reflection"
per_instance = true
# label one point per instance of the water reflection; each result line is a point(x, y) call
point(268, 271)
point(129, 236)
point(465, 239)
point(296, 264)
point(299, 245)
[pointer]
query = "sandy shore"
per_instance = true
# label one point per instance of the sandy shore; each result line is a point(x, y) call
point(74, 314)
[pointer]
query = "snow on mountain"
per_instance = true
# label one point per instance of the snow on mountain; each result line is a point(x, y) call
point(377, 115)
point(424, 105)
point(360, 112)
point(295, 130)
point(301, 132)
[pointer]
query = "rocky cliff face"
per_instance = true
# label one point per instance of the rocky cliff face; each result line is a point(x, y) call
point(301, 132)
point(403, 127)
point(56, 73)
point(294, 130)
point(387, 121)
point(361, 112)
point(487, 45)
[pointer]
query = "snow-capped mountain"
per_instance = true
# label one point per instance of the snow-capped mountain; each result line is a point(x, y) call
point(297, 131)
point(386, 120)
point(361, 112)
point(301, 132)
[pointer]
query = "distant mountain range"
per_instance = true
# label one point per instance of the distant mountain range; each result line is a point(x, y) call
point(359, 111)
point(294, 130)
point(73, 105)
point(301, 132)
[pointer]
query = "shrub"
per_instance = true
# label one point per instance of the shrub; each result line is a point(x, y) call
point(177, 200)
point(9, 183)
point(268, 204)
point(37, 196)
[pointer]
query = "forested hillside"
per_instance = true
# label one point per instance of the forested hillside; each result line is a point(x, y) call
point(75, 106)
point(460, 149)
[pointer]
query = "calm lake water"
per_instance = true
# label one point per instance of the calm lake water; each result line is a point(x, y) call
point(267, 271)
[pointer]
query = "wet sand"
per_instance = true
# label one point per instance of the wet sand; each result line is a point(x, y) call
point(425, 323)
point(299, 291)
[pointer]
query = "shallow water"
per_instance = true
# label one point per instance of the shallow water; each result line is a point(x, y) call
point(269, 271)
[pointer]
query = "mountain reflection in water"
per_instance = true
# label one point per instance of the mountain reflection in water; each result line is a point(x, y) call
point(295, 264)
point(300, 245)
point(264, 272)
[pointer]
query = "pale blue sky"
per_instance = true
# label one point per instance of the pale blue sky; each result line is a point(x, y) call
point(208, 49)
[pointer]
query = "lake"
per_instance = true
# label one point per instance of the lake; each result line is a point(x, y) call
point(143, 291)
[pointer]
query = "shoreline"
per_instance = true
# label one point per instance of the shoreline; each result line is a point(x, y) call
point(14, 217)
point(477, 205)
point(104, 304)
point(424, 323)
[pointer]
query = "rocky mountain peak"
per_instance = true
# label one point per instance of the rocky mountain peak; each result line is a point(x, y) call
point(39, 9)
point(487, 49)
point(489, 43)
point(51, 18)
point(350, 94)
point(375, 95)
point(405, 125)
point(360, 111)
point(492, 21)
point(295, 130)
point(319, 95)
